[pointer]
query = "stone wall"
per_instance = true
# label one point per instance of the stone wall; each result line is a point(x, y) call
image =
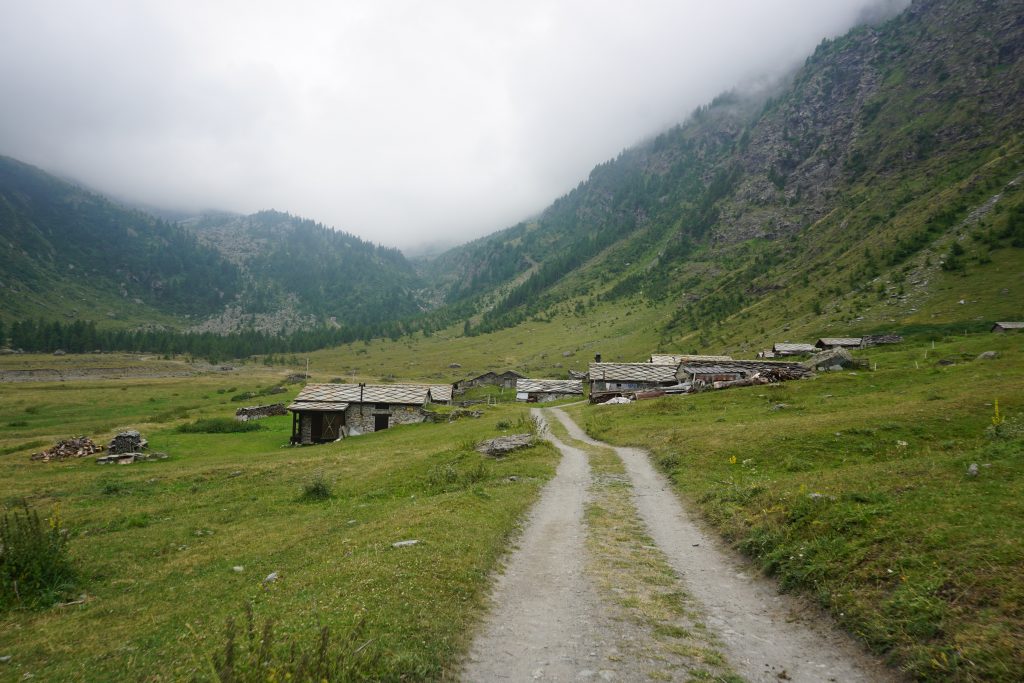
point(360, 417)
point(259, 412)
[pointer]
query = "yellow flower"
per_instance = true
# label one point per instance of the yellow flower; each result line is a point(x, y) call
point(732, 460)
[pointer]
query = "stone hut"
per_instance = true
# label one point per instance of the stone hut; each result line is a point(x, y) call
point(506, 380)
point(839, 343)
point(791, 349)
point(1008, 327)
point(678, 359)
point(541, 390)
point(616, 377)
point(328, 412)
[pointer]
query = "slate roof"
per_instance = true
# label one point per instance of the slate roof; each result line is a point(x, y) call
point(786, 347)
point(442, 393)
point(408, 394)
point(549, 386)
point(1011, 325)
point(710, 370)
point(319, 406)
point(676, 359)
point(846, 342)
point(633, 372)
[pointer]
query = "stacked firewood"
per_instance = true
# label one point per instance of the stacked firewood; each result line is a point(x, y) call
point(128, 442)
point(77, 447)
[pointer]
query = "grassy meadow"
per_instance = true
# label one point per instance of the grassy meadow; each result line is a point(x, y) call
point(158, 545)
point(854, 488)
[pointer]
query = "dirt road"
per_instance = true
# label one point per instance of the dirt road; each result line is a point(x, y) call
point(550, 622)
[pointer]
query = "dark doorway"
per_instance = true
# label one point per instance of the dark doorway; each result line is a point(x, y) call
point(380, 422)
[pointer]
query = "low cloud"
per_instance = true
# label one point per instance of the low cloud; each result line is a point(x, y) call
point(402, 122)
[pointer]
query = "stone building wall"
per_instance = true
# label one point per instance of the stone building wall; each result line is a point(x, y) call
point(360, 417)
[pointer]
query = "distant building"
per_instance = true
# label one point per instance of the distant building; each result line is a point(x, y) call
point(789, 349)
point(506, 380)
point(706, 374)
point(616, 377)
point(1008, 327)
point(677, 359)
point(541, 390)
point(839, 343)
point(328, 412)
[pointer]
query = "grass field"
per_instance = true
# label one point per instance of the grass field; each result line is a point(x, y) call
point(156, 544)
point(853, 486)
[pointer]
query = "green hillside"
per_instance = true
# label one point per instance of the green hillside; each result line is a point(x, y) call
point(880, 185)
point(69, 253)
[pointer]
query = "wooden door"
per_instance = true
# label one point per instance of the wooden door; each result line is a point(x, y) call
point(332, 426)
point(380, 422)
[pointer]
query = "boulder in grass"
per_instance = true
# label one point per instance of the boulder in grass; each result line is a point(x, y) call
point(503, 445)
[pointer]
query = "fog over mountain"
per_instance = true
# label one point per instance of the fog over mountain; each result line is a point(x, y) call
point(404, 123)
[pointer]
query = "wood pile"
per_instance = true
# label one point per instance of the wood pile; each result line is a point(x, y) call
point(784, 374)
point(127, 442)
point(78, 447)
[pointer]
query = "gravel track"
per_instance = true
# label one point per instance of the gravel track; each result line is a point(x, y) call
point(548, 621)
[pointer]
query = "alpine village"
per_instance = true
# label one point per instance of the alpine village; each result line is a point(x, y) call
point(747, 404)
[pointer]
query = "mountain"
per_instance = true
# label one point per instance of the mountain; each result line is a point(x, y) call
point(73, 254)
point(298, 274)
point(69, 253)
point(892, 157)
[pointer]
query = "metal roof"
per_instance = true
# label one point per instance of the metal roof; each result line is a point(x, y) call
point(838, 341)
point(633, 372)
point(411, 394)
point(319, 406)
point(676, 359)
point(798, 348)
point(549, 386)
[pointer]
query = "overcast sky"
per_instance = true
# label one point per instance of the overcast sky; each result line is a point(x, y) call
point(402, 122)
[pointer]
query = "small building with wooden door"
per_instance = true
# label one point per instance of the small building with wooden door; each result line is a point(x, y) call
point(329, 412)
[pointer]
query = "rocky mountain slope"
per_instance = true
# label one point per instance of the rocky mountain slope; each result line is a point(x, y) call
point(866, 163)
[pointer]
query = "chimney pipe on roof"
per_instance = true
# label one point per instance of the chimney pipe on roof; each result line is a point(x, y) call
point(597, 358)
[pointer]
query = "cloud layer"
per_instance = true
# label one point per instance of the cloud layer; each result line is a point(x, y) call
point(403, 122)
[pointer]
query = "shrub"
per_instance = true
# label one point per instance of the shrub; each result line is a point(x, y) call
point(316, 488)
point(34, 565)
point(219, 425)
point(256, 656)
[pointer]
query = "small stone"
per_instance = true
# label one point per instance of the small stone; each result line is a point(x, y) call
point(404, 544)
point(238, 569)
point(5, 659)
point(972, 470)
point(988, 355)
point(271, 578)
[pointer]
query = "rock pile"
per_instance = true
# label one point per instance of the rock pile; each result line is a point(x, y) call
point(129, 458)
point(503, 445)
point(77, 447)
point(127, 442)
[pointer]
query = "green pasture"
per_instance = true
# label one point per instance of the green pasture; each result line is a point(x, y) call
point(854, 488)
point(157, 544)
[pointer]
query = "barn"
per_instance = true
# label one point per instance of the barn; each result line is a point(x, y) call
point(839, 343)
point(506, 380)
point(1008, 327)
point(791, 349)
point(328, 412)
